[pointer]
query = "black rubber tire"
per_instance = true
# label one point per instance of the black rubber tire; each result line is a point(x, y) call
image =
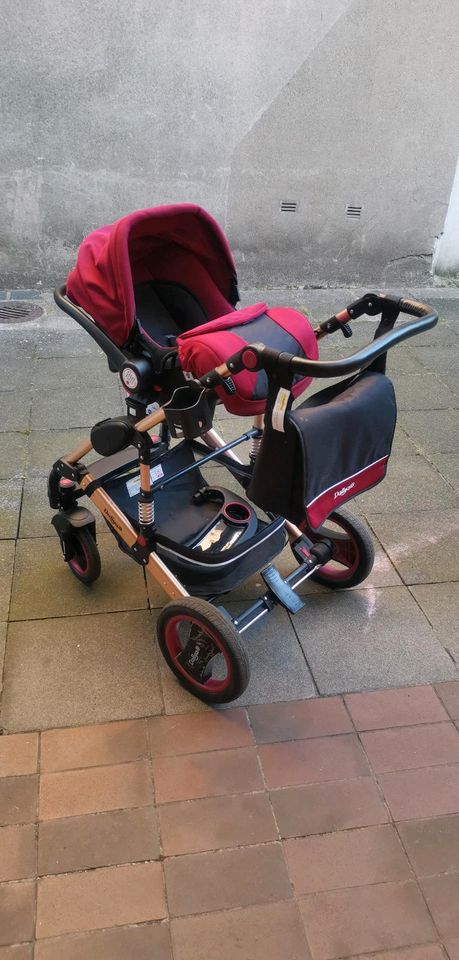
point(363, 542)
point(85, 565)
point(217, 625)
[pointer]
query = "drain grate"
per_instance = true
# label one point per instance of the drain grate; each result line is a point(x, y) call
point(15, 311)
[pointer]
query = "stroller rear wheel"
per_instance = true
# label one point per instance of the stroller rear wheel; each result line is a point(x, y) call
point(85, 562)
point(353, 551)
point(202, 648)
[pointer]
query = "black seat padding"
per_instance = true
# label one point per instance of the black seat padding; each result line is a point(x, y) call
point(164, 310)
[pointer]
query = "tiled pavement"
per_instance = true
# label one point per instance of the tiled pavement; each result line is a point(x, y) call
point(74, 655)
point(305, 830)
point(309, 829)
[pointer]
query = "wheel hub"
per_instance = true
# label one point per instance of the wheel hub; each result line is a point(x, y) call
point(197, 654)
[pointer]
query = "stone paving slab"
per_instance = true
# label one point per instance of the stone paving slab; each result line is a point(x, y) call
point(194, 839)
point(13, 448)
point(423, 546)
point(396, 644)
point(7, 549)
point(440, 603)
point(42, 587)
point(448, 466)
point(433, 431)
point(10, 505)
point(424, 391)
point(68, 408)
point(411, 484)
point(80, 669)
point(15, 412)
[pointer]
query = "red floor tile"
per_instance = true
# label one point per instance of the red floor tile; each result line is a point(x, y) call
point(111, 896)
point(432, 845)
point(394, 708)
point(449, 695)
point(214, 823)
point(148, 941)
point(308, 761)
point(429, 792)
point(18, 799)
point(18, 754)
point(197, 732)
point(324, 807)
point(430, 951)
point(223, 879)
point(104, 743)
point(349, 858)
point(76, 792)
point(269, 932)
point(17, 852)
point(209, 774)
point(452, 948)
point(20, 951)
point(17, 908)
point(342, 923)
point(409, 747)
point(98, 840)
point(442, 895)
point(299, 719)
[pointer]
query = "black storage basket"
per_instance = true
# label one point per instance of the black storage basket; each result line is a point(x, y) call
point(331, 448)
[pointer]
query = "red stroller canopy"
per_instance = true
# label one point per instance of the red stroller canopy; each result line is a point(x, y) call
point(162, 243)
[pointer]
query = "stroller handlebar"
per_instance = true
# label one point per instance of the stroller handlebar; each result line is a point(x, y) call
point(259, 357)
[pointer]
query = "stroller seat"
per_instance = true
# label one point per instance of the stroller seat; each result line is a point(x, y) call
point(163, 281)
point(164, 311)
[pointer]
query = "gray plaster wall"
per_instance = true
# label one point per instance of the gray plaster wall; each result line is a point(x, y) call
point(109, 106)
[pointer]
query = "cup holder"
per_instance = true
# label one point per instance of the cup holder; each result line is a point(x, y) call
point(237, 513)
point(190, 411)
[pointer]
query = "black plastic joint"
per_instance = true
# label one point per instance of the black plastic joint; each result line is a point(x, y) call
point(144, 443)
point(68, 471)
point(141, 552)
point(322, 551)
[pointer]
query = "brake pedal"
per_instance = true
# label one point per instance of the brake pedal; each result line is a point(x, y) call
point(281, 590)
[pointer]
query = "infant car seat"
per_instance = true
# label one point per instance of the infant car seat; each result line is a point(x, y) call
point(162, 283)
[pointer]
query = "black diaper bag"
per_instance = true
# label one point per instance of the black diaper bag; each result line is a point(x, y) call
point(332, 447)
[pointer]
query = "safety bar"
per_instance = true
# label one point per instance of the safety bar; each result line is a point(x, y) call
point(116, 356)
point(257, 356)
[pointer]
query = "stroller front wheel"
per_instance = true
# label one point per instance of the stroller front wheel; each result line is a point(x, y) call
point(353, 551)
point(85, 562)
point(202, 648)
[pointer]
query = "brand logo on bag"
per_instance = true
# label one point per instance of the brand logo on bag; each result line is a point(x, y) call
point(340, 493)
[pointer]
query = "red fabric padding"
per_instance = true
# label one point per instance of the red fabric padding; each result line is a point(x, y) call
point(211, 344)
point(232, 319)
point(320, 508)
point(150, 244)
point(201, 354)
point(298, 326)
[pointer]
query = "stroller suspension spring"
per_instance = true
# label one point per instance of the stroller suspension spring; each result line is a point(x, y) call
point(146, 512)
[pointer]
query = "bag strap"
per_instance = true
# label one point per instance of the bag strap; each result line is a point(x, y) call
point(279, 400)
point(389, 315)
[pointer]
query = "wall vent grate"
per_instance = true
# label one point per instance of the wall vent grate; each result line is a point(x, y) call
point(288, 206)
point(353, 211)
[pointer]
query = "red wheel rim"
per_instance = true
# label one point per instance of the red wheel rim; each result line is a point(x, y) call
point(81, 556)
point(175, 646)
point(345, 552)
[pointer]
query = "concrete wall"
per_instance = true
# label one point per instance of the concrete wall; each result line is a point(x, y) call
point(109, 106)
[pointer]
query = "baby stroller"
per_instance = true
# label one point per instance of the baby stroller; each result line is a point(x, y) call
point(157, 291)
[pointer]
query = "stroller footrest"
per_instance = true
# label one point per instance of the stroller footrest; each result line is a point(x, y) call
point(281, 589)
